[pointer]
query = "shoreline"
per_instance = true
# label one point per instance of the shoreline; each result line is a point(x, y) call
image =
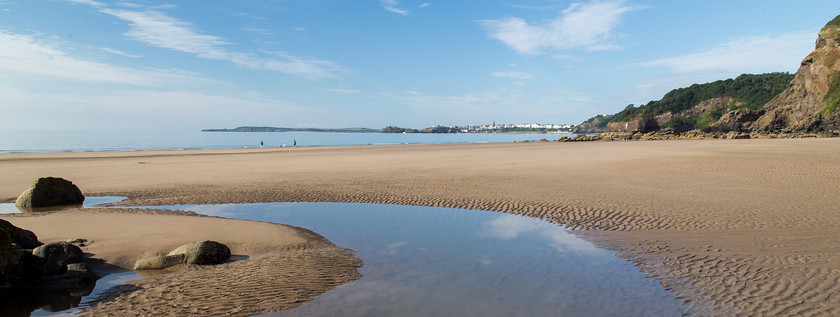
point(723, 224)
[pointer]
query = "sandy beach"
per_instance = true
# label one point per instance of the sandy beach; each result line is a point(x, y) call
point(732, 227)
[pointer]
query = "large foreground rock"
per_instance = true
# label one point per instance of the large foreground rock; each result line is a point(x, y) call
point(11, 262)
point(23, 238)
point(49, 192)
point(201, 252)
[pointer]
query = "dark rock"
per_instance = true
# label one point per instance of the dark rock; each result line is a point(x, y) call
point(11, 263)
point(48, 192)
point(77, 277)
point(53, 258)
point(23, 238)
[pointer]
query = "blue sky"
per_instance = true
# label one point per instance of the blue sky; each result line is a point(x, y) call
point(135, 64)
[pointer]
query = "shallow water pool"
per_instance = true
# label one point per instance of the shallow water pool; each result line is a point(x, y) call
point(10, 208)
point(424, 261)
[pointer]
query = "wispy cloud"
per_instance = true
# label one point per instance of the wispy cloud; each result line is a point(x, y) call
point(158, 29)
point(257, 30)
point(87, 2)
point(343, 91)
point(391, 5)
point(737, 55)
point(512, 75)
point(506, 227)
point(423, 5)
point(210, 109)
point(25, 53)
point(583, 25)
point(118, 52)
point(759, 53)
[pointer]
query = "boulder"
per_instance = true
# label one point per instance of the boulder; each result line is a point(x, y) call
point(48, 192)
point(11, 263)
point(23, 238)
point(53, 258)
point(159, 262)
point(201, 252)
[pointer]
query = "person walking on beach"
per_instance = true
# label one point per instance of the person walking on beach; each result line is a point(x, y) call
point(294, 143)
point(261, 143)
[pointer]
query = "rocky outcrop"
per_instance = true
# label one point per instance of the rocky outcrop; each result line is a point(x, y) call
point(202, 252)
point(23, 238)
point(48, 192)
point(49, 277)
point(53, 258)
point(640, 125)
point(809, 104)
point(596, 124)
point(11, 262)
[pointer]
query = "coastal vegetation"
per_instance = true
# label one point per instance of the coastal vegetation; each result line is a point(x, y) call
point(393, 129)
point(746, 91)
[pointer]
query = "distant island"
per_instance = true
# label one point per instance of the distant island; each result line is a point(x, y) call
point(273, 129)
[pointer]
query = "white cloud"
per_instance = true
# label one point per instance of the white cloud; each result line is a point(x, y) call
point(160, 30)
point(118, 52)
point(26, 54)
point(425, 4)
point(507, 227)
point(738, 55)
point(143, 107)
point(512, 75)
point(391, 5)
point(157, 29)
point(745, 54)
point(87, 2)
point(257, 30)
point(343, 91)
point(591, 26)
point(412, 92)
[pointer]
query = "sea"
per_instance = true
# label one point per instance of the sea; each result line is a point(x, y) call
point(34, 141)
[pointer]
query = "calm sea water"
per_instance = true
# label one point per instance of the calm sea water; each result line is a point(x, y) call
point(76, 140)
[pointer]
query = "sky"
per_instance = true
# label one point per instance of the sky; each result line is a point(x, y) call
point(179, 64)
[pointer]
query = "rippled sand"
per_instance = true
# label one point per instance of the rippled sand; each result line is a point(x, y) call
point(731, 226)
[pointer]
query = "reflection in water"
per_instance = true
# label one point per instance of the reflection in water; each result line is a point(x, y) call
point(424, 261)
point(10, 208)
point(24, 302)
point(507, 227)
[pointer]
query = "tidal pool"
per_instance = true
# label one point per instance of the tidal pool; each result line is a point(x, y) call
point(10, 208)
point(425, 261)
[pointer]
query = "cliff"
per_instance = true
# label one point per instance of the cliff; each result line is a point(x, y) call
point(805, 102)
point(810, 103)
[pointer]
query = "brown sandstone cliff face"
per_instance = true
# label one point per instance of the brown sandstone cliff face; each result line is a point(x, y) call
point(799, 108)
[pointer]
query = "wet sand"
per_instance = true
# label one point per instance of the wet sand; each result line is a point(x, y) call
point(283, 266)
point(730, 226)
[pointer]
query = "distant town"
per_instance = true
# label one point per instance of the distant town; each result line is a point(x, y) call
point(485, 128)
